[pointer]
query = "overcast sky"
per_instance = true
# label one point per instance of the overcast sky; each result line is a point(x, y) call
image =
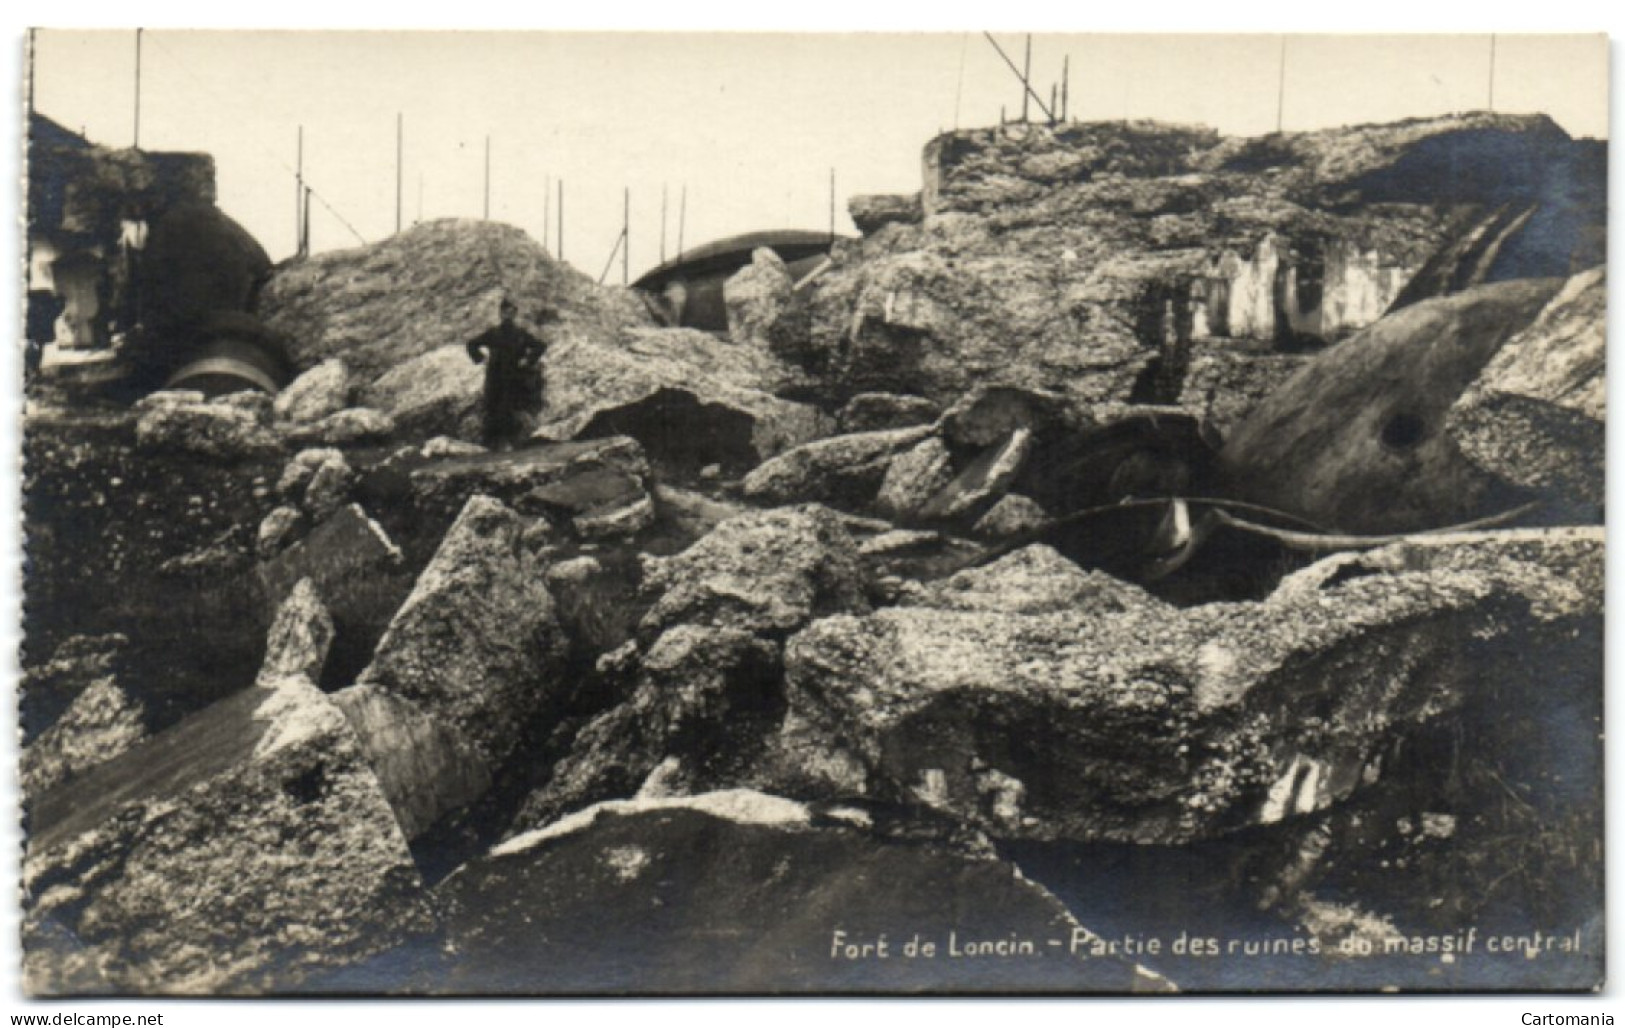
point(751, 125)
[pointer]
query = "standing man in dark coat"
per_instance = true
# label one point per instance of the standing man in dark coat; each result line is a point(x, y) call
point(513, 355)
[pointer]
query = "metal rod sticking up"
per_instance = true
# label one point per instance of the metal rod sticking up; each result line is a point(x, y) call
point(1066, 82)
point(400, 130)
point(626, 235)
point(299, 195)
point(959, 84)
point(662, 223)
point(1026, 85)
point(1280, 89)
point(304, 230)
point(832, 205)
point(1026, 78)
point(137, 143)
point(610, 263)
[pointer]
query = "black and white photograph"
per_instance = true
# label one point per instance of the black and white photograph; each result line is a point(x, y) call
point(694, 514)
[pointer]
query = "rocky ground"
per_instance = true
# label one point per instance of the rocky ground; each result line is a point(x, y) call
point(1138, 535)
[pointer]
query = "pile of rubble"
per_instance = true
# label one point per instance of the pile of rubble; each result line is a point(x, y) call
point(765, 644)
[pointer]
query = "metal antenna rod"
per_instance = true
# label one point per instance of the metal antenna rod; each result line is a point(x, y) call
point(832, 205)
point(959, 83)
point(610, 263)
point(1066, 82)
point(304, 230)
point(626, 234)
point(299, 193)
point(1026, 77)
point(1280, 89)
point(1017, 72)
point(137, 143)
point(662, 223)
point(400, 135)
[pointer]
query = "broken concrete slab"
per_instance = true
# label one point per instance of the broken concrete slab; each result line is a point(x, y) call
point(755, 296)
point(433, 393)
point(299, 638)
point(1149, 724)
point(102, 722)
point(600, 484)
point(705, 698)
point(768, 572)
point(278, 530)
point(477, 644)
point(844, 469)
point(1536, 415)
point(1013, 517)
point(298, 472)
point(691, 398)
point(983, 481)
point(324, 389)
point(676, 890)
point(876, 412)
point(347, 427)
point(914, 478)
point(256, 814)
point(425, 767)
point(346, 549)
point(216, 430)
point(872, 212)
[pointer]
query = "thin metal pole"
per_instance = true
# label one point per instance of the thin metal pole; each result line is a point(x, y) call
point(662, 223)
point(487, 178)
point(304, 243)
point(1492, 72)
point(626, 235)
point(400, 135)
point(1026, 77)
point(682, 219)
point(1066, 82)
point(1053, 88)
point(610, 263)
point(832, 205)
point(1280, 89)
point(299, 192)
point(1025, 84)
point(959, 84)
point(137, 143)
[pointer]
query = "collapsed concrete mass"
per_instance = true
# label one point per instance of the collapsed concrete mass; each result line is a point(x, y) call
point(1067, 550)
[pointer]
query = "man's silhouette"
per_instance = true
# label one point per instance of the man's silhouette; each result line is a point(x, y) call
point(510, 355)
